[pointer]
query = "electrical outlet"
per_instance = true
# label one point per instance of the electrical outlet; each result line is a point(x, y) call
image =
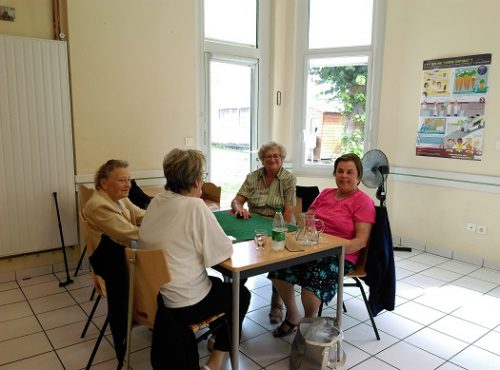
point(481, 229)
point(470, 227)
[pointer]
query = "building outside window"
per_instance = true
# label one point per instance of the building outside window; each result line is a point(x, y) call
point(339, 45)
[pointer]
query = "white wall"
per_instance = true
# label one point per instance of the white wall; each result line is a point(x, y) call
point(133, 68)
point(434, 215)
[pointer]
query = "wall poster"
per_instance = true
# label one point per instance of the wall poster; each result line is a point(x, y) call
point(451, 123)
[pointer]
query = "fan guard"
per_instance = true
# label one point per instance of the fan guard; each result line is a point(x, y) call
point(375, 171)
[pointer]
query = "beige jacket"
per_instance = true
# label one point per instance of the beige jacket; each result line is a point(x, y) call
point(103, 216)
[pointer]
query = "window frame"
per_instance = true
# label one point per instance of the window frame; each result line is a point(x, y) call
point(374, 52)
point(231, 52)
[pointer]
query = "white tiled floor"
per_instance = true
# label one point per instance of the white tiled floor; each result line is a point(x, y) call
point(447, 317)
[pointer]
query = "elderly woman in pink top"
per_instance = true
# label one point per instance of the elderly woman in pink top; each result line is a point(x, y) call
point(347, 213)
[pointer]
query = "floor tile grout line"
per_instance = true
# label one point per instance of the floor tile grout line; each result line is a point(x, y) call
point(469, 344)
point(379, 359)
point(446, 314)
point(46, 336)
point(27, 358)
point(482, 336)
point(423, 327)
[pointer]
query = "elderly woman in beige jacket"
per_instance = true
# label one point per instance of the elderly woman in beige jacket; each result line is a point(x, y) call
point(109, 211)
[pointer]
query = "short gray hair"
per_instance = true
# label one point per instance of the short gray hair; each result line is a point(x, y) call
point(264, 148)
point(105, 170)
point(182, 168)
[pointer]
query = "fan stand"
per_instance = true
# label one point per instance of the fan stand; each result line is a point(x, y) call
point(381, 196)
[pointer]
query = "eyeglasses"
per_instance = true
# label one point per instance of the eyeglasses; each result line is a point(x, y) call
point(204, 176)
point(272, 156)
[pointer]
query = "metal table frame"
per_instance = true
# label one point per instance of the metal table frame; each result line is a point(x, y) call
point(243, 272)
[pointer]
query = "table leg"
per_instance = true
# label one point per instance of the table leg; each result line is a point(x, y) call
point(340, 296)
point(235, 347)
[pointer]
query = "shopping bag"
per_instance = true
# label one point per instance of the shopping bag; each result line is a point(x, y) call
point(315, 345)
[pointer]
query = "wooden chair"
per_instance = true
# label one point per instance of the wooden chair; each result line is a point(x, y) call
point(84, 195)
point(211, 193)
point(99, 285)
point(356, 274)
point(148, 271)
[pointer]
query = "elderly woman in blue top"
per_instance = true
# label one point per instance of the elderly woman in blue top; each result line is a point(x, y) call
point(266, 189)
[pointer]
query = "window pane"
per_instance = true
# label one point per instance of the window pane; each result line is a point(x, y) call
point(336, 102)
point(340, 23)
point(233, 21)
point(230, 126)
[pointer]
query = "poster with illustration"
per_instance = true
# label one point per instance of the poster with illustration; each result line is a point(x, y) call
point(451, 120)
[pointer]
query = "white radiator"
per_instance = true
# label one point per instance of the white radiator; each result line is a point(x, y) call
point(36, 148)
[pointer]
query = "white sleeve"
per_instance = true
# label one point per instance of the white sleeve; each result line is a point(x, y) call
point(215, 245)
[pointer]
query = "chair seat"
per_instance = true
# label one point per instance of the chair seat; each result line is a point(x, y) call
point(202, 325)
point(358, 272)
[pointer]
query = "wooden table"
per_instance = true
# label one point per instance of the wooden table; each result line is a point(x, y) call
point(247, 261)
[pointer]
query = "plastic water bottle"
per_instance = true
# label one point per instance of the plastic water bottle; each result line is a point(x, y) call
point(279, 230)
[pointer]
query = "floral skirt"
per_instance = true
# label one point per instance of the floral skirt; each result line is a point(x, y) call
point(320, 276)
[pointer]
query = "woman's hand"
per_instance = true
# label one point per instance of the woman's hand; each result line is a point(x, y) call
point(242, 212)
point(238, 209)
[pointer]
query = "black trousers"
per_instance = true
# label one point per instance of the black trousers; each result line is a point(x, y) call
point(218, 300)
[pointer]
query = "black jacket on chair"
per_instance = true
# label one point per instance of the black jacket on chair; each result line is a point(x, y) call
point(380, 272)
point(138, 196)
point(308, 194)
point(108, 261)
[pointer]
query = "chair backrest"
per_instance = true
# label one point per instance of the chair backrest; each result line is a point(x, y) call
point(84, 194)
point(151, 272)
point(359, 268)
point(99, 284)
point(212, 192)
point(91, 238)
point(305, 195)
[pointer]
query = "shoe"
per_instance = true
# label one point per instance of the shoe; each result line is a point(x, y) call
point(281, 332)
point(276, 318)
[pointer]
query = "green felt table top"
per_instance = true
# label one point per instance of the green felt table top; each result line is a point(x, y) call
point(242, 229)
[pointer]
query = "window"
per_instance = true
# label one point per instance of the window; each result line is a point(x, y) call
point(235, 50)
point(337, 43)
point(339, 23)
point(239, 16)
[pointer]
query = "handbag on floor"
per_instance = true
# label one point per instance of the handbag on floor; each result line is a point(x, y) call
point(315, 345)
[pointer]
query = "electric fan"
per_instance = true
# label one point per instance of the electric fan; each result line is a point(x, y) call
point(375, 171)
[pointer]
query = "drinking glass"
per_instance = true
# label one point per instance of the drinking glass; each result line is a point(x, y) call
point(260, 239)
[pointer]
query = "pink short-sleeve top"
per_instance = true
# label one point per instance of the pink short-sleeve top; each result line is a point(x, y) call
point(340, 216)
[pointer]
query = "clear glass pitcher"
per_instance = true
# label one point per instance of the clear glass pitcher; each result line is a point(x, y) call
point(309, 229)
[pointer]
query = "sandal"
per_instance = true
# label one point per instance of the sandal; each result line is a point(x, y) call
point(281, 332)
point(273, 317)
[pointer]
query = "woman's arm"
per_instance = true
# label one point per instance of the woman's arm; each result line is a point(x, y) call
point(112, 223)
point(290, 198)
point(136, 213)
point(361, 237)
point(288, 213)
point(237, 206)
